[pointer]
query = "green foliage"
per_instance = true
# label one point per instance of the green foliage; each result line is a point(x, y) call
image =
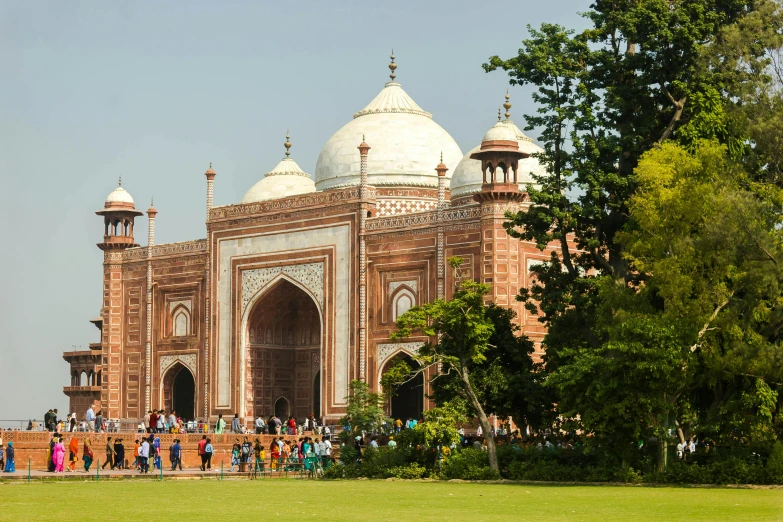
point(507, 382)
point(469, 464)
point(364, 411)
point(439, 427)
point(661, 133)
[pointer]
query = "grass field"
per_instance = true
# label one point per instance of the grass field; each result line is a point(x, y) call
point(376, 501)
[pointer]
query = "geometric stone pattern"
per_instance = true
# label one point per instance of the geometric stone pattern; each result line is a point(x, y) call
point(310, 275)
point(188, 359)
point(386, 350)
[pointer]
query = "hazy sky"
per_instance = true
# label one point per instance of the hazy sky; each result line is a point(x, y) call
point(154, 91)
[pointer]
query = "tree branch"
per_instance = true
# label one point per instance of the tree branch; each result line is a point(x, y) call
point(712, 317)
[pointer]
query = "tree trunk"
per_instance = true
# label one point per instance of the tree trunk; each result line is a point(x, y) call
point(492, 452)
point(663, 453)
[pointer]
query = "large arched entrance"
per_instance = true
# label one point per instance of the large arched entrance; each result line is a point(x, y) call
point(407, 399)
point(284, 347)
point(179, 392)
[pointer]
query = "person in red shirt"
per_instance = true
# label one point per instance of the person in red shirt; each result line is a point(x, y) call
point(202, 444)
point(153, 421)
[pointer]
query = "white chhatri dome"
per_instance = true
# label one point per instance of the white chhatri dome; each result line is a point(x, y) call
point(467, 177)
point(119, 195)
point(286, 179)
point(405, 145)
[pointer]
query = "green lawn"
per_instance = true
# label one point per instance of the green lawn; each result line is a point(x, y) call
point(376, 501)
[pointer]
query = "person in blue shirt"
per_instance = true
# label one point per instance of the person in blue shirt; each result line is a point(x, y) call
point(175, 454)
point(9, 461)
point(208, 451)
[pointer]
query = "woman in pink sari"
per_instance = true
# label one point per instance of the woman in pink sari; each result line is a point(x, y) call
point(59, 455)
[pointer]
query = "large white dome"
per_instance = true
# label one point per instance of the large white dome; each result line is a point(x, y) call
point(405, 142)
point(467, 177)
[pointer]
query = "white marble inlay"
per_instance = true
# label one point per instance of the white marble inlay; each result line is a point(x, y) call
point(188, 359)
point(394, 285)
point(338, 237)
point(310, 275)
point(387, 350)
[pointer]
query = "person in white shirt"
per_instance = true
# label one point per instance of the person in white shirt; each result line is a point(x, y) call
point(679, 451)
point(90, 418)
point(144, 455)
point(692, 446)
point(479, 431)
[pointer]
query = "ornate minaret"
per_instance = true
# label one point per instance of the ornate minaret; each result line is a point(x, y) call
point(118, 214)
point(499, 155)
point(151, 213)
point(441, 169)
point(210, 174)
point(363, 196)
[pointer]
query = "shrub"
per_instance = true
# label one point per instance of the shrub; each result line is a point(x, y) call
point(468, 464)
point(411, 471)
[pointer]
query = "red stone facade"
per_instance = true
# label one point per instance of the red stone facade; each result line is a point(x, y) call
point(265, 314)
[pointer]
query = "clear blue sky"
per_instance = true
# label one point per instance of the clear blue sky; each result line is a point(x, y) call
point(154, 91)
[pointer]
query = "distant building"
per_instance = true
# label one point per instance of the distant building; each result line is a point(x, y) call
point(295, 290)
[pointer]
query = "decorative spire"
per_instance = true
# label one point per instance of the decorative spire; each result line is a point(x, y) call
point(507, 105)
point(287, 145)
point(119, 182)
point(441, 156)
point(152, 200)
point(392, 67)
point(498, 113)
point(210, 165)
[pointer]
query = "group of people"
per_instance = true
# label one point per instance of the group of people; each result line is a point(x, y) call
point(156, 421)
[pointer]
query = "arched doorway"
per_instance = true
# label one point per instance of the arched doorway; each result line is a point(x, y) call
point(184, 394)
point(179, 392)
point(282, 408)
point(407, 399)
point(317, 396)
point(283, 339)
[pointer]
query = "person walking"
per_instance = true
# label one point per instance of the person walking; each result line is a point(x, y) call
point(119, 454)
point(235, 455)
point(144, 456)
point(87, 454)
point(73, 453)
point(173, 422)
point(175, 454)
point(220, 425)
point(99, 422)
point(90, 418)
point(160, 422)
point(10, 465)
point(147, 420)
point(202, 452)
point(109, 454)
point(235, 427)
point(72, 423)
point(209, 450)
point(59, 455)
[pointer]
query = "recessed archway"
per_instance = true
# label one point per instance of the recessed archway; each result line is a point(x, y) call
point(282, 408)
point(283, 339)
point(407, 399)
point(179, 392)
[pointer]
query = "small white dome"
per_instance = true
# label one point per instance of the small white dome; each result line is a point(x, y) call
point(285, 180)
point(500, 132)
point(405, 142)
point(119, 195)
point(467, 177)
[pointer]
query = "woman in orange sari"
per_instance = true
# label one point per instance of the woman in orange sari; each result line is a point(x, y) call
point(73, 449)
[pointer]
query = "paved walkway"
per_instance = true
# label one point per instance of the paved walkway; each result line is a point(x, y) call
point(80, 474)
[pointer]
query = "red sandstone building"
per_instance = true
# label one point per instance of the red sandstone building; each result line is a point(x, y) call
point(295, 290)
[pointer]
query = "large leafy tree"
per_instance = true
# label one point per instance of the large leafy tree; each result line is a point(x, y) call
point(708, 238)
point(462, 329)
point(508, 382)
point(646, 72)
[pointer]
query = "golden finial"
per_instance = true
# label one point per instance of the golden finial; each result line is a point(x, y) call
point(287, 144)
point(152, 202)
point(119, 182)
point(498, 113)
point(210, 165)
point(507, 105)
point(441, 156)
point(392, 67)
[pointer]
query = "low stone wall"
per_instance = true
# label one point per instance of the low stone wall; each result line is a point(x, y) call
point(35, 444)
